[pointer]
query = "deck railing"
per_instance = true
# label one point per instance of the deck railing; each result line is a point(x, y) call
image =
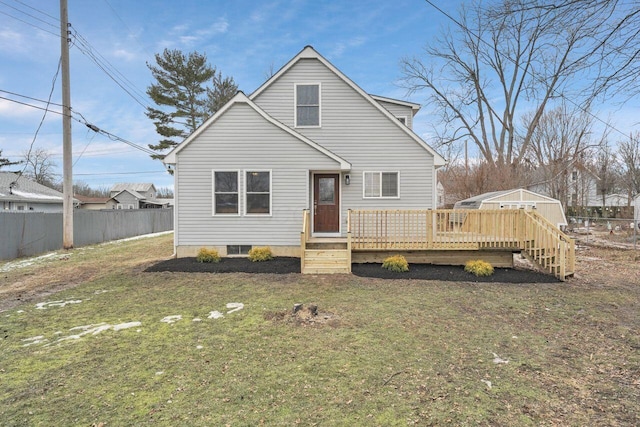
point(434, 229)
point(304, 235)
point(448, 229)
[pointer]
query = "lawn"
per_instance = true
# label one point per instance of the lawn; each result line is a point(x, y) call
point(115, 346)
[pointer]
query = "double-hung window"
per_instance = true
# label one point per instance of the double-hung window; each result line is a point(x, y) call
point(307, 105)
point(258, 192)
point(225, 193)
point(379, 185)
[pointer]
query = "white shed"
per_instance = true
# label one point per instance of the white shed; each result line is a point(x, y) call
point(517, 199)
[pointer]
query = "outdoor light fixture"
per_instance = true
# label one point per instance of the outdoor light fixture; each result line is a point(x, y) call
point(347, 179)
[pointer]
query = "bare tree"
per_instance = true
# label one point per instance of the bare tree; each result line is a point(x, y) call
point(557, 149)
point(629, 153)
point(40, 167)
point(611, 48)
point(500, 62)
point(607, 167)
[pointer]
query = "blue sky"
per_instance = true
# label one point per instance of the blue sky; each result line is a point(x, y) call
point(243, 39)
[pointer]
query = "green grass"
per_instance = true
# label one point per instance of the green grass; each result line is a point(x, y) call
point(394, 353)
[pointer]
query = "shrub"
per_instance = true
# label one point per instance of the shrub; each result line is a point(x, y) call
point(208, 255)
point(396, 263)
point(478, 267)
point(260, 254)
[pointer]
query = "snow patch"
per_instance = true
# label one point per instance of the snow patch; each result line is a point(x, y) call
point(498, 360)
point(236, 306)
point(171, 319)
point(33, 340)
point(49, 304)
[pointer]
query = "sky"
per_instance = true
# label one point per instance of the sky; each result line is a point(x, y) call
point(247, 40)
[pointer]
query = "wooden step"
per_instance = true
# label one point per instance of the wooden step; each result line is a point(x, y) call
point(326, 261)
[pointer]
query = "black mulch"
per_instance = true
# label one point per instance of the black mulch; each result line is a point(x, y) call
point(286, 265)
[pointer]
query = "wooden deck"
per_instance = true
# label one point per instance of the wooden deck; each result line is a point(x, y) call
point(459, 231)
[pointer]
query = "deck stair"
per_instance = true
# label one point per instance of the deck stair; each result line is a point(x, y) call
point(326, 256)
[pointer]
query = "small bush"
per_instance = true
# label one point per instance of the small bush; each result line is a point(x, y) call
point(208, 255)
point(479, 268)
point(260, 254)
point(396, 263)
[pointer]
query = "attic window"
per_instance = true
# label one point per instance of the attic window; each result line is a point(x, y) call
point(307, 105)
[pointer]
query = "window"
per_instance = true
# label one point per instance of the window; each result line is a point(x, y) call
point(402, 119)
point(238, 249)
point(381, 185)
point(307, 105)
point(258, 192)
point(225, 193)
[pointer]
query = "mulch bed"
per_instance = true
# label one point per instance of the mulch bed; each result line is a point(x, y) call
point(286, 265)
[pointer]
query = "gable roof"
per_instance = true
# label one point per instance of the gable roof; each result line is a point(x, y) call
point(240, 97)
point(310, 53)
point(140, 186)
point(17, 188)
point(414, 107)
point(521, 192)
point(132, 192)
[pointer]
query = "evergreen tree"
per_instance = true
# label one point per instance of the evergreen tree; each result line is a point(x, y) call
point(183, 97)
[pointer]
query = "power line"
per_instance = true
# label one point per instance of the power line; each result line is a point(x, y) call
point(46, 110)
point(29, 97)
point(28, 14)
point(28, 23)
point(85, 122)
point(109, 69)
point(38, 10)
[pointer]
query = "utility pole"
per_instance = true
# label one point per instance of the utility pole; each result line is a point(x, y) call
point(67, 153)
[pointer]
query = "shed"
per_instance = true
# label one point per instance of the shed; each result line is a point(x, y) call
point(520, 198)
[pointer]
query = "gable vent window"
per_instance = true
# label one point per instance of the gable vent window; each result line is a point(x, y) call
point(308, 105)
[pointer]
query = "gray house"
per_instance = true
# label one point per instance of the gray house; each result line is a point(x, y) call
point(308, 138)
point(134, 196)
point(18, 193)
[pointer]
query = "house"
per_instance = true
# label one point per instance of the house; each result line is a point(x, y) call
point(309, 138)
point(18, 193)
point(520, 198)
point(135, 196)
point(96, 203)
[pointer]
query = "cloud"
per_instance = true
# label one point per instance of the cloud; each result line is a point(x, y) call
point(11, 41)
point(125, 54)
point(183, 35)
point(341, 47)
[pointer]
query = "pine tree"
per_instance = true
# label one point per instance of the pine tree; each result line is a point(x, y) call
point(184, 101)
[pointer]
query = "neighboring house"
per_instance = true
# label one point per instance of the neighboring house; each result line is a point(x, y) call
point(96, 203)
point(636, 210)
point(546, 206)
point(136, 196)
point(308, 138)
point(18, 193)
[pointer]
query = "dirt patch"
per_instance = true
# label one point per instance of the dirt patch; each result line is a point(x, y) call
point(304, 315)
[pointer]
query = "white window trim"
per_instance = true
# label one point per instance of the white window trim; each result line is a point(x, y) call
point(244, 192)
point(213, 191)
point(364, 196)
point(295, 105)
point(405, 118)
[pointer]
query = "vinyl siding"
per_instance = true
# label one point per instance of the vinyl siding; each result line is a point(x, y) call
point(243, 140)
point(357, 131)
point(126, 199)
point(399, 111)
